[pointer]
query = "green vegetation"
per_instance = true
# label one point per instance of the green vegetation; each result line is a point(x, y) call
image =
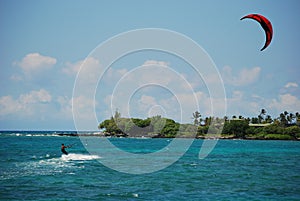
point(236, 127)
point(285, 127)
point(133, 127)
point(278, 137)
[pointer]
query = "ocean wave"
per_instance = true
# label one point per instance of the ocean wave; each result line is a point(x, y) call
point(48, 165)
point(38, 133)
point(79, 157)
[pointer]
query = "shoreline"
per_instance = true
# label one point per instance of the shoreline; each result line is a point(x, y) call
point(161, 137)
point(108, 135)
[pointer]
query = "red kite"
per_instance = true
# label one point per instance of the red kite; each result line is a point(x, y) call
point(265, 24)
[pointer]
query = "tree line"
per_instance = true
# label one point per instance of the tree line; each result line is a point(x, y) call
point(286, 127)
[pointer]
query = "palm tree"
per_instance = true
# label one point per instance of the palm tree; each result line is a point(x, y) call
point(262, 114)
point(260, 118)
point(268, 119)
point(297, 118)
point(282, 119)
point(254, 120)
point(196, 116)
point(208, 120)
point(117, 115)
point(289, 118)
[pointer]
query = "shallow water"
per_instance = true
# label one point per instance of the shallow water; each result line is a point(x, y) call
point(32, 168)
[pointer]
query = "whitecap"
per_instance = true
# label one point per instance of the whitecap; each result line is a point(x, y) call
point(79, 157)
point(135, 195)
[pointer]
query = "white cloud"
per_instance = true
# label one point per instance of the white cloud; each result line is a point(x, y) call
point(241, 103)
point(244, 76)
point(291, 84)
point(112, 76)
point(238, 104)
point(91, 74)
point(285, 102)
point(84, 105)
point(157, 73)
point(39, 105)
point(41, 96)
point(86, 73)
point(146, 102)
point(84, 113)
point(185, 104)
point(26, 105)
point(8, 106)
point(90, 69)
point(155, 84)
point(237, 95)
point(151, 87)
point(65, 110)
point(155, 62)
point(86, 66)
point(34, 67)
point(35, 61)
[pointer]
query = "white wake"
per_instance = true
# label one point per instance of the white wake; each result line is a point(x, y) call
point(79, 157)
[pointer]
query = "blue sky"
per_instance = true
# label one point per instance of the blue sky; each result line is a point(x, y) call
point(43, 44)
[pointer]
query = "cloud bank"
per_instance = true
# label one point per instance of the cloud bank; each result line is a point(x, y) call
point(35, 61)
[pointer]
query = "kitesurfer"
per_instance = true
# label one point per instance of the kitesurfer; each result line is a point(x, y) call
point(63, 149)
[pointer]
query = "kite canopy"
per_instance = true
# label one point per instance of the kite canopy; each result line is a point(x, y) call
point(265, 24)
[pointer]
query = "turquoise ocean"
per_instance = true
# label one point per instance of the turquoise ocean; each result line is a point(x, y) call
point(33, 168)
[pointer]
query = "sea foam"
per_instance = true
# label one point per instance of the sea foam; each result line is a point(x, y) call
point(79, 157)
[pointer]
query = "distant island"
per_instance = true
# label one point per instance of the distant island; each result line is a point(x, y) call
point(262, 127)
